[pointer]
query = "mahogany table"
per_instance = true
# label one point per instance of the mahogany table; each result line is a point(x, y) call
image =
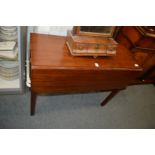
point(54, 70)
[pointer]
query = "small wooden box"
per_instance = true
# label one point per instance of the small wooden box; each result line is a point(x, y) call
point(90, 45)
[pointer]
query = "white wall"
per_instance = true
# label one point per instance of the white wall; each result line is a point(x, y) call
point(55, 30)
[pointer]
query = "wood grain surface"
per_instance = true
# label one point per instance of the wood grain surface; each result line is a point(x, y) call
point(54, 69)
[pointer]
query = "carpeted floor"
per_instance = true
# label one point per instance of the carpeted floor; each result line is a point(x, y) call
point(131, 108)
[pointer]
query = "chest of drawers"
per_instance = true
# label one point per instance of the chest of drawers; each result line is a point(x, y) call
point(141, 43)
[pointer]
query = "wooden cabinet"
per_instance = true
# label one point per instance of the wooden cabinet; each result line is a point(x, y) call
point(141, 42)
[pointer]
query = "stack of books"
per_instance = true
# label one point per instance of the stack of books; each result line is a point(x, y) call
point(9, 67)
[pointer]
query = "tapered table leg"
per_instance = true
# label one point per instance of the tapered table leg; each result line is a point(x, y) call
point(109, 97)
point(33, 102)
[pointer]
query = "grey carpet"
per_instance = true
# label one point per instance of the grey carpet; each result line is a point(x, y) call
point(131, 108)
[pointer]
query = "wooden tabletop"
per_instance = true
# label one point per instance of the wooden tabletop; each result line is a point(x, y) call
point(51, 52)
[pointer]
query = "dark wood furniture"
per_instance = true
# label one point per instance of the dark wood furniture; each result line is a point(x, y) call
point(140, 40)
point(55, 70)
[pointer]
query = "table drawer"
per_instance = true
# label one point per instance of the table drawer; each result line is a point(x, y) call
point(57, 81)
point(82, 75)
point(70, 86)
